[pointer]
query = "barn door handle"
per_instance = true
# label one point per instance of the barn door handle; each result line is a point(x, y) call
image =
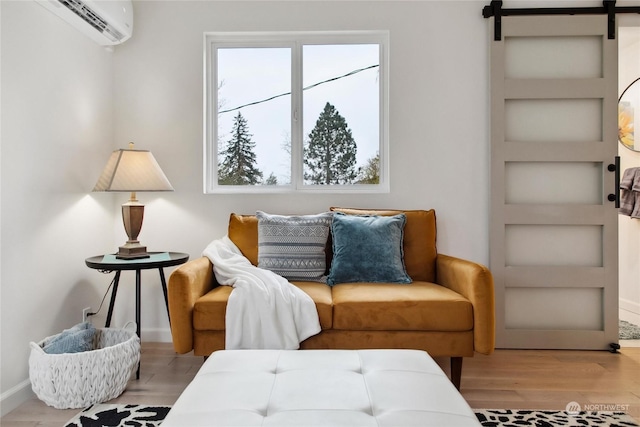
point(615, 167)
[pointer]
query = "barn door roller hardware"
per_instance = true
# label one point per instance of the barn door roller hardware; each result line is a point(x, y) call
point(608, 8)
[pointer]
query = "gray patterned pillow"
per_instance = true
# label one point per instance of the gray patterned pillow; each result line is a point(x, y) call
point(294, 246)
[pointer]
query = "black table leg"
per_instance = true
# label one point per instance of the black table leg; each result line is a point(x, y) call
point(164, 290)
point(114, 291)
point(138, 298)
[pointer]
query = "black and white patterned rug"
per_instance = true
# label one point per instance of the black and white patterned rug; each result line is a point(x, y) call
point(113, 415)
point(105, 415)
point(524, 418)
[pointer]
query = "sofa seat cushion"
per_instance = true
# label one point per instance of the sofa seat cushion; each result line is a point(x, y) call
point(320, 293)
point(209, 311)
point(419, 306)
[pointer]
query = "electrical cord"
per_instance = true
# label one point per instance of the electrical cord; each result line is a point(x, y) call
point(104, 296)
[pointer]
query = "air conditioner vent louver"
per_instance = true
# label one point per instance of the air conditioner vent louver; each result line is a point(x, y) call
point(92, 19)
point(107, 22)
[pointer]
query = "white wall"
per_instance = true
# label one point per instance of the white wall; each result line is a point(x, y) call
point(57, 128)
point(629, 229)
point(439, 119)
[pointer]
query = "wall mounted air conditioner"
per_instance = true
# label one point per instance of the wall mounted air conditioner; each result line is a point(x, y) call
point(107, 22)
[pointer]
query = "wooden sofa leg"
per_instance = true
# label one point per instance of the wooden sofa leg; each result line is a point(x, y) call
point(456, 371)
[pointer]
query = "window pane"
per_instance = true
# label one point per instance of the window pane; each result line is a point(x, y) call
point(341, 100)
point(254, 116)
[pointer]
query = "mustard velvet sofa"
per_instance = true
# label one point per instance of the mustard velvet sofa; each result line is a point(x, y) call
point(447, 310)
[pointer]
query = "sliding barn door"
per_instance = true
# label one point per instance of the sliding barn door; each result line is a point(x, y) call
point(554, 233)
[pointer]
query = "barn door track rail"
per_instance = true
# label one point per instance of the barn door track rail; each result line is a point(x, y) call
point(608, 8)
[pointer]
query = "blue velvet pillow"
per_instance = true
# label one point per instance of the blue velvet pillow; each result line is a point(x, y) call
point(74, 340)
point(367, 248)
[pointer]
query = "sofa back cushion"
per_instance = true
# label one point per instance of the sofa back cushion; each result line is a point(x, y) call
point(243, 231)
point(419, 239)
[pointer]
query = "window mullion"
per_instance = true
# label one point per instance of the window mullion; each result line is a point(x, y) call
point(297, 113)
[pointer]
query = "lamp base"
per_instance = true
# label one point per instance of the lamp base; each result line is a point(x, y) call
point(132, 214)
point(132, 251)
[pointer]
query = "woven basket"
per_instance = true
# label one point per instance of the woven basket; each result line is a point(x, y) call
point(78, 380)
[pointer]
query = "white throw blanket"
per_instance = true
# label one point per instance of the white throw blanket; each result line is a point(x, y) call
point(264, 310)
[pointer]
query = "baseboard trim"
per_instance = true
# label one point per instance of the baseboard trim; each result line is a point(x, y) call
point(15, 396)
point(632, 306)
point(629, 311)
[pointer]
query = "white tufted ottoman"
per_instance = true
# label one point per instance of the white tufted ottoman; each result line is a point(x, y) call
point(320, 388)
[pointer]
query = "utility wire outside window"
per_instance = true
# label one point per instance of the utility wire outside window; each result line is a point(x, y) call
point(350, 73)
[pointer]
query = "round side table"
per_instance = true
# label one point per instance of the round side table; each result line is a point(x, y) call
point(108, 263)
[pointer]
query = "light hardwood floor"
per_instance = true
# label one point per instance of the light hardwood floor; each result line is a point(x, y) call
point(527, 379)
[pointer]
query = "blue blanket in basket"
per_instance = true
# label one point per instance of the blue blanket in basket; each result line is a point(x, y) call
point(73, 340)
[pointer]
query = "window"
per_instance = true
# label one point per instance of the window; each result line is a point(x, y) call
point(296, 112)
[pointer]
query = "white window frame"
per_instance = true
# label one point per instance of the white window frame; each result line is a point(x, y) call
point(294, 40)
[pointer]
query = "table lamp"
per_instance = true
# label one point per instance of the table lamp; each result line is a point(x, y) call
point(132, 171)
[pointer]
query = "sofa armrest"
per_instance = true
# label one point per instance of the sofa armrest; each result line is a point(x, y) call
point(474, 282)
point(187, 283)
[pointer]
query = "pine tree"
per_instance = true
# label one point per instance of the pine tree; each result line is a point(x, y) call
point(330, 155)
point(238, 165)
point(272, 180)
point(370, 172)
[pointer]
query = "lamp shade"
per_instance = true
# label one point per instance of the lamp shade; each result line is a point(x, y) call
point(132, 170)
